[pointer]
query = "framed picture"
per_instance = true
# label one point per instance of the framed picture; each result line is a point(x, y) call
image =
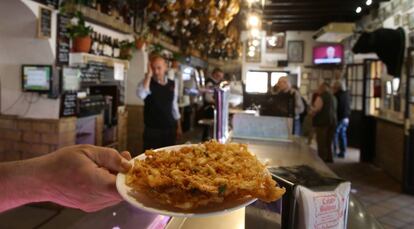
point(253, 51)
point(44, 23)
point(275, 42)
point(295, 51)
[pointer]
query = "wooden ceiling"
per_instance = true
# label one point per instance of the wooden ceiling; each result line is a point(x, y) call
point(282, 15)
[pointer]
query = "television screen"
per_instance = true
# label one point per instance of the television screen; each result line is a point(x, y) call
point(328, 54)
point(70, 79)
point(36, 78)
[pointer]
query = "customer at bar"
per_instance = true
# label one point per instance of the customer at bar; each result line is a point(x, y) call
point(343, 112)
point(324, 121)
point(208, 107)
point(161, 113)
point(284, 88)
point(79, 176)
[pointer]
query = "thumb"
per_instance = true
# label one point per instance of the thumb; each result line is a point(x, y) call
point(109, 158)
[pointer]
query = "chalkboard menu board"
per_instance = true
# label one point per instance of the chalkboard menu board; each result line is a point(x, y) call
point(53, 3)
point(69, 104)
point(44, 25)
point(62, 40)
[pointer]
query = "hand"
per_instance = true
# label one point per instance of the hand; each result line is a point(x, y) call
point(179, 132)
point(149, 73)
point(83, 176)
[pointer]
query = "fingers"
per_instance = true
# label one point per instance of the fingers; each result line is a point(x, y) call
point(108, 158)
point(126, 155)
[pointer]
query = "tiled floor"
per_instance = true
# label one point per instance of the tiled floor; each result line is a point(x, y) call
point(380, 194)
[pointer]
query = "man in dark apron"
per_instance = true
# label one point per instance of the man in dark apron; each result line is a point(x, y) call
point(161, 113)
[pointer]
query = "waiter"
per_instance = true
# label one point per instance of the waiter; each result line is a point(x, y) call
point(161, 113)
point(208, 107)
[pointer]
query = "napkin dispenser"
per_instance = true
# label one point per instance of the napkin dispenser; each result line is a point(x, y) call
point(312, 200)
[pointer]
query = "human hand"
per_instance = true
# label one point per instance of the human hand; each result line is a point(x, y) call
point(149, 73)
point(83, 176)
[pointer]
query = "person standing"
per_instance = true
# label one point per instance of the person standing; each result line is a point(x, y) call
point(284, 87)
point(324, 121)
point(208, 107)
point(343, 112)
point(161, 113)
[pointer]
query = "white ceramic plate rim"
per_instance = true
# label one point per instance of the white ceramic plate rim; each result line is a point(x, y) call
point(123, 190)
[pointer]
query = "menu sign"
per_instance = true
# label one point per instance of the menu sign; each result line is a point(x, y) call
point(44, 24)
point(53, 3)
point(62, 40)
point(69, 104)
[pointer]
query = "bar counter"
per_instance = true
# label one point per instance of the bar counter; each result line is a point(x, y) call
point(275, 154)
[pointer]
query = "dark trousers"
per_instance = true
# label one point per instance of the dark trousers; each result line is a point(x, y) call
point(158, 138)
point(324, 137)
point(340, 137)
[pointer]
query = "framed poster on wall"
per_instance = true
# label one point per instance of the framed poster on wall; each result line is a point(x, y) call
point(295, 51)
point(275, 41)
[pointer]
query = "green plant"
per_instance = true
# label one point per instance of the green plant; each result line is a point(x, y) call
point(145, 34)
point(125, 44)
point(77, 27)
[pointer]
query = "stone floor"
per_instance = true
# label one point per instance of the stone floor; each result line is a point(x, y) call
point(380, 193)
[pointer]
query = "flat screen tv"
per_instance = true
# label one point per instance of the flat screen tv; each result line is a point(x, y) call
point(328, 54)
point(37, 78)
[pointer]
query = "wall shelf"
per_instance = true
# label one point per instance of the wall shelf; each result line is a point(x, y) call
point(99, 18)
point(84, 58)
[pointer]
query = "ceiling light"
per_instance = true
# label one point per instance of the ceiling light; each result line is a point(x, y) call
point(368, 2)
point(251, 53)
point(253, 20)
point(252, 48)
point(255, 32)
point(358, 10)
point(256, 42)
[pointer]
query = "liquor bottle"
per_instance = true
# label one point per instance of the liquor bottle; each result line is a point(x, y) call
point(110, 47)
point(100, 45)
point(117, 50)
point(93, 4)
point(95, 44)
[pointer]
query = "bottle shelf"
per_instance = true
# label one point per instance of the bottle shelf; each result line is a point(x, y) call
point(100, 18)
point(84, 58)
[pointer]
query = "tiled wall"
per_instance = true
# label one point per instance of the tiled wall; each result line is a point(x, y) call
point(22, 138)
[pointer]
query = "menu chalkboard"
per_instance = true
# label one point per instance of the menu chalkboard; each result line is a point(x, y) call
point(53, 3)
point(69, 104)
point(44, 23)
point(62, 40)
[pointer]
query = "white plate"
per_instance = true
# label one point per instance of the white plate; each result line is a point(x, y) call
point(145, 203)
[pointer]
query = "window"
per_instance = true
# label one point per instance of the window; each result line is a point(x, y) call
point(256, 82)
point(275, 76)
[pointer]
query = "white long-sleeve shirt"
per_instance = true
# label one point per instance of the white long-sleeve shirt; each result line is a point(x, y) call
point(142, 93)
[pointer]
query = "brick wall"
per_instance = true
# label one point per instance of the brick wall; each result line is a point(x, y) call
point(22, 138)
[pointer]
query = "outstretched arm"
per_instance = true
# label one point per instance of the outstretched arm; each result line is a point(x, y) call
point(80, 176)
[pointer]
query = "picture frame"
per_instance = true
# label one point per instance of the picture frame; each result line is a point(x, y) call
point(253, 56)
point(295, 51)
point(44, 23)
point(275, 42)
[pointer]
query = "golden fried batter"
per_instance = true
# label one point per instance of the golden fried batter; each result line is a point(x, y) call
point(198, 175)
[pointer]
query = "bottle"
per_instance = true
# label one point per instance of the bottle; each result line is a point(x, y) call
point(100, 45)
point(117, 50)
point(95, 44)
point(93, 4)
point(110, 47)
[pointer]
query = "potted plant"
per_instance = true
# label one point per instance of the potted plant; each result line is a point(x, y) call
point(143, 37)
point(80, 33)
point(126, 49)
